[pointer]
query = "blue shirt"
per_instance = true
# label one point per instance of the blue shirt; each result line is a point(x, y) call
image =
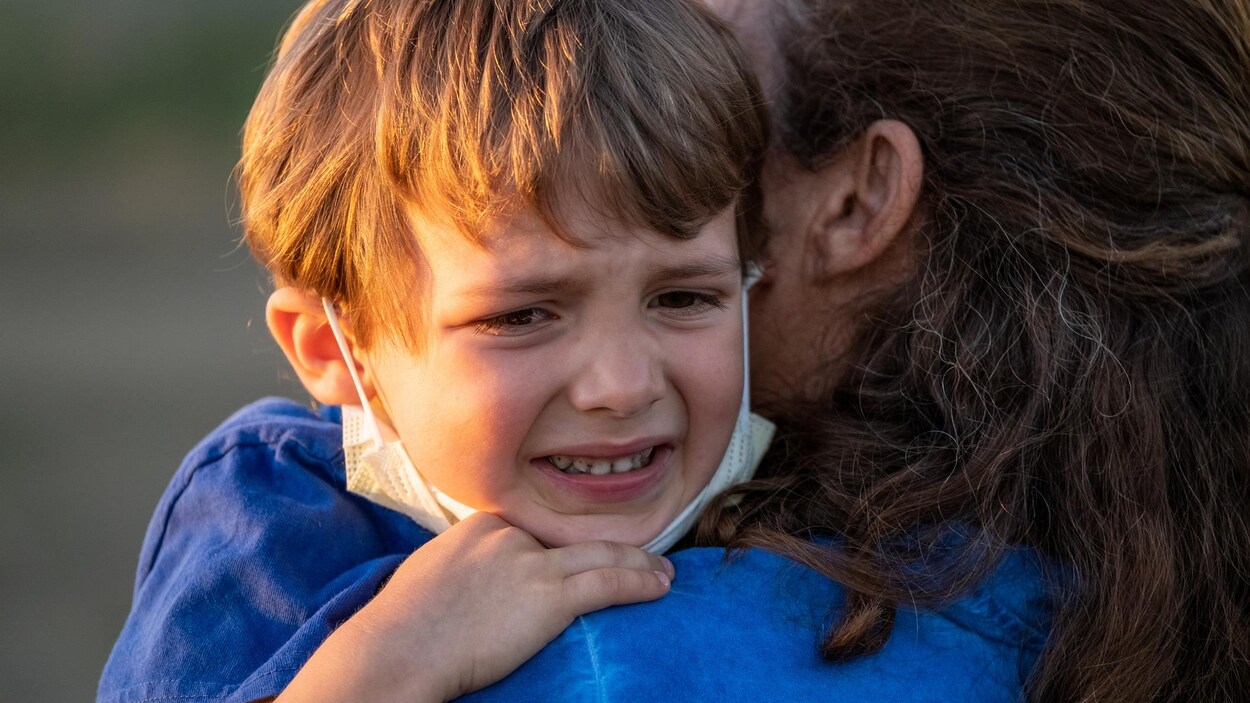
point(748, 630)
point(257, 552)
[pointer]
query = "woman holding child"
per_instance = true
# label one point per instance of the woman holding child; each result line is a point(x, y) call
point(1003, 330)
point(1008, 303)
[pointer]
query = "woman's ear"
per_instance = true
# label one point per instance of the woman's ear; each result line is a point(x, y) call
point(867, 199)
point(298, 324)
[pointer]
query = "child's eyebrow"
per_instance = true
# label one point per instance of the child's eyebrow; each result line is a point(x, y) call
point(714, 268)
point(537, 285)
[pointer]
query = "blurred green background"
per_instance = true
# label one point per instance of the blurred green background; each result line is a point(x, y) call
point(131, 321)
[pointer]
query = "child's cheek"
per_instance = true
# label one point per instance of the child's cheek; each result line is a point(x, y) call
point(479, 411)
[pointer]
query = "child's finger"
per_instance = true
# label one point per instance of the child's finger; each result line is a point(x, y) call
point(586, 556)
point(599, 588)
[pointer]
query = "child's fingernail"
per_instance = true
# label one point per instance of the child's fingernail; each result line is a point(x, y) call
point(663, 578)
point(668, 566)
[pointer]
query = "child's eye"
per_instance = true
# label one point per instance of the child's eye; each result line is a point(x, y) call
point(687, 302)
point(513, 323)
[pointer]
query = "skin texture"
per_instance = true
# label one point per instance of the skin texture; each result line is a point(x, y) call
point(639, 342)
point(489, 595)
point(786, 349)
point(840, 234)
point(617, 352)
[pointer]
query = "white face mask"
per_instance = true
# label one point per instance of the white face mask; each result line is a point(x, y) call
point(383, 472)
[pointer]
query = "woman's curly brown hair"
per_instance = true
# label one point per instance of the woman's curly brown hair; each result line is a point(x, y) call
point(1069, 367)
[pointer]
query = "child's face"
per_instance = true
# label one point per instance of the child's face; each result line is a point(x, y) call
point(624, 351)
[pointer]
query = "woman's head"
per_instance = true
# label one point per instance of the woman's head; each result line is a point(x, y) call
point(1105, 145)
point(1055, 348)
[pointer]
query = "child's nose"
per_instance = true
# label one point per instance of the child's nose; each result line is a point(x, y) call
point(623, 375)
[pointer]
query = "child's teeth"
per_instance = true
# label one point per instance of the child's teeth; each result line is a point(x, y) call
point(601, 467)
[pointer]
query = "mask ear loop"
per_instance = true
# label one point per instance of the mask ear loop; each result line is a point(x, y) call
point(685, 519)
point(754, 273)
point(333, 319)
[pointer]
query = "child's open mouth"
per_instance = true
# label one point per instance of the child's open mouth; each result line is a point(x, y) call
point(609, 478)
point(602, 466)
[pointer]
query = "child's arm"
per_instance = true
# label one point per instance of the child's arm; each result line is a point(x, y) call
point(466, 609)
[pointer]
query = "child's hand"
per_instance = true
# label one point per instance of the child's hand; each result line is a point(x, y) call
point(468, 608)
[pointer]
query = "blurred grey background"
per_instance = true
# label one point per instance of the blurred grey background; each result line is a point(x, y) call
point(131, 322)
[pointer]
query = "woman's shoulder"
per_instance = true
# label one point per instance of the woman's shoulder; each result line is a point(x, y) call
point(748, 627)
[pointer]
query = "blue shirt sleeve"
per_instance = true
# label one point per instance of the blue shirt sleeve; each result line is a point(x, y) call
point(255, 554)
point(749, 629)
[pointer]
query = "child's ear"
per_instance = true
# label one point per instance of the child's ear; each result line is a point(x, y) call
point(868, 197)
point(298, 324)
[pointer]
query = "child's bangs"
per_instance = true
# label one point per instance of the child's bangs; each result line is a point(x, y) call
point(645, 111)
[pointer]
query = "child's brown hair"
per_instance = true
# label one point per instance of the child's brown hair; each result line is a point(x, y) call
point(464, 110)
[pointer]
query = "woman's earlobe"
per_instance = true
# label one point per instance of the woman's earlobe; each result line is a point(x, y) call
point(298, 324)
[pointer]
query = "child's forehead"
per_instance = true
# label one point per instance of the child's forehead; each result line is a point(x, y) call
point(526, 238)
point(584, 224)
